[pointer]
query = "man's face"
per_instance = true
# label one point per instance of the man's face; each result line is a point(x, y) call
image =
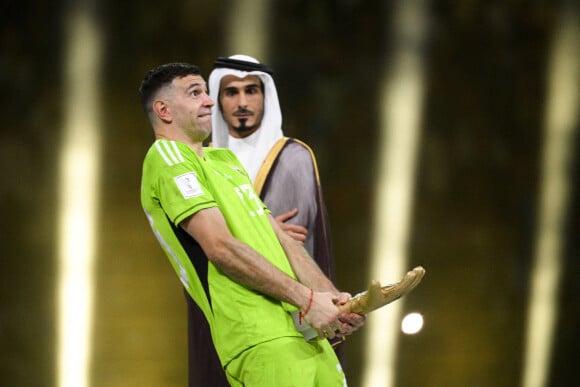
point(242, 104)
point(191, 106)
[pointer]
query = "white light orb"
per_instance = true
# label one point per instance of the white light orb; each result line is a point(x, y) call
point(412, 323)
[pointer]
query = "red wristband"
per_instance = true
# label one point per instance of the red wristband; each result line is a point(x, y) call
point(302, 314)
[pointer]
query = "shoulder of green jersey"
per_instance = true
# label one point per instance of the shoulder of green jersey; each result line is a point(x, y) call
point(188, 185)
point(169, 152)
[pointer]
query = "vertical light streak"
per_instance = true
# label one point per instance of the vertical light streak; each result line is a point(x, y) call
point(561, 121)
point(79, 173)
point(401, 105)
point(248, 32)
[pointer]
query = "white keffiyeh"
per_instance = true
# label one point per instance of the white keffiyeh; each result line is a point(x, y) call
point(253, 149)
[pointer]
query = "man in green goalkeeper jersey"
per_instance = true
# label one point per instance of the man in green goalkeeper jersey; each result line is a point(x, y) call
point(245, 273)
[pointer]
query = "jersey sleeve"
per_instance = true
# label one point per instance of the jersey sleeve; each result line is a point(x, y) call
point(182, 191)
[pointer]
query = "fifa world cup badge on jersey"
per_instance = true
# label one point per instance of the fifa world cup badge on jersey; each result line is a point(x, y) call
point(188, 185)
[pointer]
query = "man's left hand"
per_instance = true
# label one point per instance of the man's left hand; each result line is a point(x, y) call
point(350, 322)
point(296, 231)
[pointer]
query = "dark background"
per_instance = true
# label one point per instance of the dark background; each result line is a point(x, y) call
point(476, 192)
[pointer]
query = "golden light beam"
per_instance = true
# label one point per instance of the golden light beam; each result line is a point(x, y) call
point(561, 121)
point(401, 106)
point(78, 198)
point(248, 29)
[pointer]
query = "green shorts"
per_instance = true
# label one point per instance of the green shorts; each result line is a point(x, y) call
point(286, 362)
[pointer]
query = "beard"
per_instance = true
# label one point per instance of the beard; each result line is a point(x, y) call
point(243, 127)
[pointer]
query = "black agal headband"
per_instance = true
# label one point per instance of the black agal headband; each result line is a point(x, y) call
point(236, 64)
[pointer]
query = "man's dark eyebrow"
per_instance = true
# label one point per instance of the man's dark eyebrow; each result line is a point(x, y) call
point(194, 85)
point(248, 86)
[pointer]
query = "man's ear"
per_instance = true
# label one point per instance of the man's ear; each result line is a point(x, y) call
point(162, 110)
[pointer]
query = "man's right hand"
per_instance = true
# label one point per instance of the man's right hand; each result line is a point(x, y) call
point(324, 315)
point(296, 231)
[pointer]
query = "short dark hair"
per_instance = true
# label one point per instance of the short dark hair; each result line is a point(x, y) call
point(160, 76)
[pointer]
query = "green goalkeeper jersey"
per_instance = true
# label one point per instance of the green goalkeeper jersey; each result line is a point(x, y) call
point(177, 183)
